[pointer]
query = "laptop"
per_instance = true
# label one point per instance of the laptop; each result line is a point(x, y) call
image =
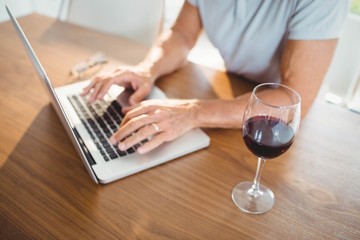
point(90, 125)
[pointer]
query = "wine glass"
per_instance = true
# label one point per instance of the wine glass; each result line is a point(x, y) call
point(271, 121)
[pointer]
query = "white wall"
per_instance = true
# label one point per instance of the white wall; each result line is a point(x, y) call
point(18, 7)
point(132, 25)
point(344, 70)
point(48, 7)
point(138, 20)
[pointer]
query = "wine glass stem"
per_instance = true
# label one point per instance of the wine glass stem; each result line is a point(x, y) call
point(255, 190)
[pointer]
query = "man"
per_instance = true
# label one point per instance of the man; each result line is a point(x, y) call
point(290, 41)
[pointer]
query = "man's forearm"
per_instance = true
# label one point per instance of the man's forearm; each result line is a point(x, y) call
point(168, 54)
point(304, 65)
point(172, 47)
point(220, 113)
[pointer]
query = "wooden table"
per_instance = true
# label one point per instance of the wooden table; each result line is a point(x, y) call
point(45, 192)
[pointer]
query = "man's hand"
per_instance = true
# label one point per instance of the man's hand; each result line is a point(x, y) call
point(137, 78)
point(158, 120)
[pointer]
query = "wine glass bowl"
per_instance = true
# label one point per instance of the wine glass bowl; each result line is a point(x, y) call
point(270, 123)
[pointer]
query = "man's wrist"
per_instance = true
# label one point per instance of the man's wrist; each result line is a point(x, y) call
point(148, 69)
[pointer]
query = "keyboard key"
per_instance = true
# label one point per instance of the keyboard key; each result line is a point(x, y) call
point(130, 150)
point(109, 150)
point(113, 126)
point(117, 106)
point(103, 140)
point(106, 144)
point(120, 153)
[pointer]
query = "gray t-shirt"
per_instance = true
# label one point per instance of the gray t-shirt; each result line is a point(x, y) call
point(251, 34)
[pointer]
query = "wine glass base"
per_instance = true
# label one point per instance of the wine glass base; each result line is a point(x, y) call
point(250, 201)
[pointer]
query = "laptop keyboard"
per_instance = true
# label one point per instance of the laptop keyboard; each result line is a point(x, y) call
point(101, 120)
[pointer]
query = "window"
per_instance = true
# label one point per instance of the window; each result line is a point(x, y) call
point(355, 7)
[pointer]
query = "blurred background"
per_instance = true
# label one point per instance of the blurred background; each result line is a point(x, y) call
point(341, 85)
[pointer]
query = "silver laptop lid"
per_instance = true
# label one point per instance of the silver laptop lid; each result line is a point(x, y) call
point(75, 138)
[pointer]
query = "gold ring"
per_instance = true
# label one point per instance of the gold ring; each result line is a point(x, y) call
point(157, 129)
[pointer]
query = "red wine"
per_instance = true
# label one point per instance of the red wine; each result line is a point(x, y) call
point(267, 137)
